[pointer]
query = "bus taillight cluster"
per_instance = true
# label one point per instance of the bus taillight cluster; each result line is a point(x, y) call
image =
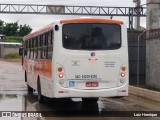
point(123, 69)
point(61, 75)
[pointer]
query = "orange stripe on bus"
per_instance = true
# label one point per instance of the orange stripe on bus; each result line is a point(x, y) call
point(41, 67)
point(91, 20)
point(45, 69)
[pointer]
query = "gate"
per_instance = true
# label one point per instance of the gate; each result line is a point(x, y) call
point(137, 58)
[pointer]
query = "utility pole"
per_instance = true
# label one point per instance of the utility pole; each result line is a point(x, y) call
point(137, 10)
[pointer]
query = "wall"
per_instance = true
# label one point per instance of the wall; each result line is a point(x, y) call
point(5, 49)
point(153, 45)
point(153, 14)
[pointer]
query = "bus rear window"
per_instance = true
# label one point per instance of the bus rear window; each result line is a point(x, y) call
point(91, 36)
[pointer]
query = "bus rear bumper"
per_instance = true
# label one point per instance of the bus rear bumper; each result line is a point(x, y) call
point(70, 93)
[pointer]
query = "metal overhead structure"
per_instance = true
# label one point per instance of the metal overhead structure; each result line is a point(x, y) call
point(74, 10)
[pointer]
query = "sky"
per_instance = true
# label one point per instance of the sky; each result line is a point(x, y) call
point(38, 21)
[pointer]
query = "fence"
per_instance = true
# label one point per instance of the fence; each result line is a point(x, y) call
point(137, 58)
point(139, 73)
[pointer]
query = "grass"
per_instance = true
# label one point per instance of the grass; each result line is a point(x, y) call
point(14, 39)
point(12, 56)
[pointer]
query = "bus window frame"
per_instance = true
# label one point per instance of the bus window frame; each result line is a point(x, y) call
point(120, 28)
point(38, 46)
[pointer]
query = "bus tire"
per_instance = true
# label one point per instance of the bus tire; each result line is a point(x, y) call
point(40, 96)
point(89, 100)
point(118, 97)
point(29, 89)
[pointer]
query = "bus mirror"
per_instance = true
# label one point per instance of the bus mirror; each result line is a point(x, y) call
point(56, 28)
point(21, 51)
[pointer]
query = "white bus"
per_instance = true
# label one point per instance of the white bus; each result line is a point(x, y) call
point(83, 57)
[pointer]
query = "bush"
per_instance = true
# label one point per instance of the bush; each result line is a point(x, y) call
point(12, 56)
point(14, 39)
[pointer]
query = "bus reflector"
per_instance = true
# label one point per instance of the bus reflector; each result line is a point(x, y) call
point(123, 90)
point(122, 80)
point(61, 91)
point(61, 75)
point(123, 68)
point(60, 69)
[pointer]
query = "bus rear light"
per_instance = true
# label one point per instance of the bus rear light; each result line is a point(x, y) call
point(61, 75)
point(122, 74)
point(60, 69)
point(123, 68)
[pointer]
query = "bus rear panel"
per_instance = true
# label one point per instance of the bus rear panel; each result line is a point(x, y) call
point(90, 59)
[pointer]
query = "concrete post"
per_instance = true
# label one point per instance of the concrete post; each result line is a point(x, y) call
point(137, 19)
point(153, 46)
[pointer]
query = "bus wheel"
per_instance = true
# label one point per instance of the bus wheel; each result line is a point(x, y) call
point(40, 96)
point(29, 89)
point(89, 100)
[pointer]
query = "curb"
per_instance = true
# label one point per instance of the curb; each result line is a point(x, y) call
point(144, 93)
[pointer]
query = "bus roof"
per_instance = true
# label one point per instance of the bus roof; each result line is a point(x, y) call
point(74, 20)
point(91, 20)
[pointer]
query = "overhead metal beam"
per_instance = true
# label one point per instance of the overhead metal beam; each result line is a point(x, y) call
point(71, 10)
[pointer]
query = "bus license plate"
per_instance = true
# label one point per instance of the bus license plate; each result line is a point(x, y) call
point(92, 84)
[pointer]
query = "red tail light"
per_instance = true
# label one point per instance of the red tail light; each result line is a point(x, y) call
point(60, 69)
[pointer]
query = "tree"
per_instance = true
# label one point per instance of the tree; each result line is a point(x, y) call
point(1, 26)
point(24, 30)
point(10, 28)
point(13, 29)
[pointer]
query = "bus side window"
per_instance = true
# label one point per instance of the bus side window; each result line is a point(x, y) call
point(39, 53)
point(46, 39)
point(43, 53)
point(36, 42)
point(26, 44)
point(50, 37)
point(31, 54)
point(41, 41)
point(28, 53)
point(50, 52)
point(35, 53)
